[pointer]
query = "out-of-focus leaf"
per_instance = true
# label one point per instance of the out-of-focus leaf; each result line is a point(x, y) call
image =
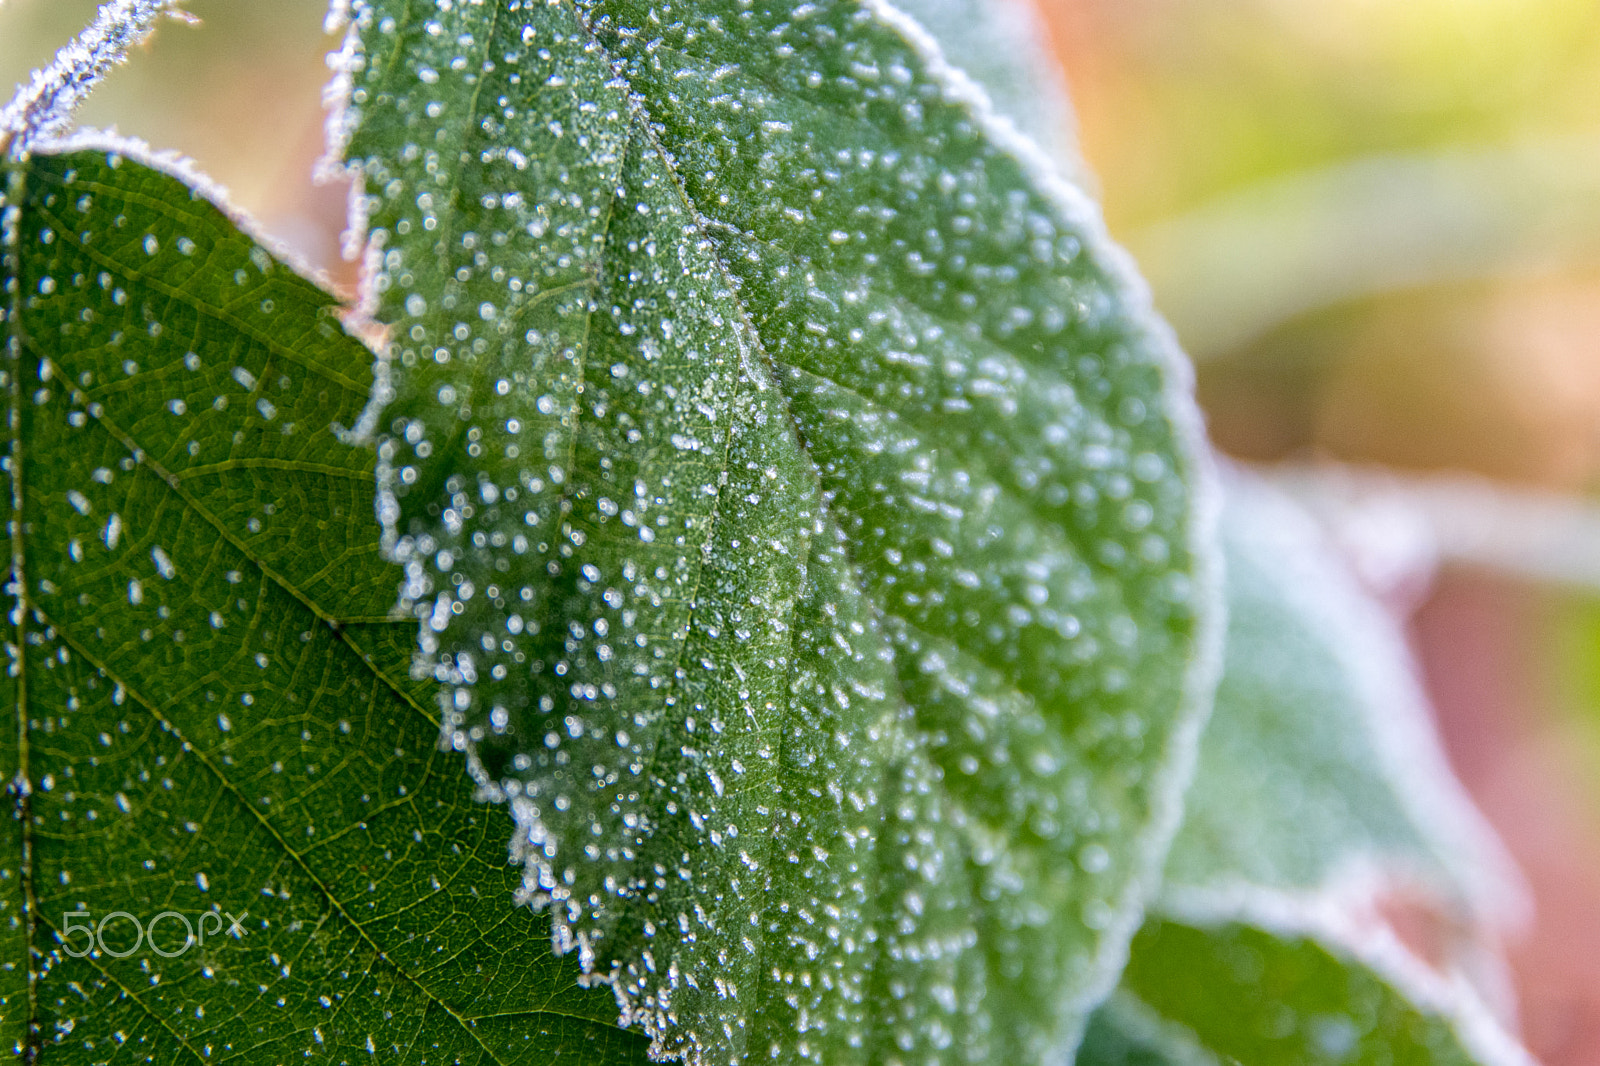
point(1233, 992)
point(1233, 270)
point(1125, 1032)
point(1320, 758)
point(1318, 775)
point(210, 713)
point(799, 500)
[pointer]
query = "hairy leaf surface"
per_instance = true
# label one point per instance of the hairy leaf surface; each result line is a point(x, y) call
point(210, 712)
point(799, 502)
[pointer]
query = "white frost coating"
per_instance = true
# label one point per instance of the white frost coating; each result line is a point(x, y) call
point(45, 106)
point(1326, 917)
point(1178, 381)
point(1373, 647)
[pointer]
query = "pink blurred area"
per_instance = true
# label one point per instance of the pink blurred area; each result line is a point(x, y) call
point(1532, 771)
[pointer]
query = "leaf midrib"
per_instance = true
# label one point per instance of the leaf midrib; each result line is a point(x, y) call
point(929, 429)
point(643, 125)
point(1068, 542)
point(706, 226)
point(863, 122)
point(932, 311)
point(706, 223)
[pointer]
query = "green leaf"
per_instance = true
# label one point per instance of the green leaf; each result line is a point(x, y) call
point(1125, 1032)
point(1320, 763)
point(1233, 992)
point(1319, 781)
point(799, 499)
point(212, 714)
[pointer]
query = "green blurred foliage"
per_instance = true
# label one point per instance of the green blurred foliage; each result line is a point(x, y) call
point(1228, 93)
point(1222, 133)
point(1215, 110)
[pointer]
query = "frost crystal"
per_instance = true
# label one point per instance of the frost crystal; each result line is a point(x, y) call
point(45, 106)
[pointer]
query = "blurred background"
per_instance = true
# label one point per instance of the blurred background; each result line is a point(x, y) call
point(1376, 228)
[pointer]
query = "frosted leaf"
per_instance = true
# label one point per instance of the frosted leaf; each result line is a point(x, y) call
point(241, 737)
point(799, 505)
point(1004, 45)
point(1319, 781)
point(1320, 762)
point(44, 107)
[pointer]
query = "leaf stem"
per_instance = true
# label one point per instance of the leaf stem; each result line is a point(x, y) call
point(1399, 526)
point(45, 105)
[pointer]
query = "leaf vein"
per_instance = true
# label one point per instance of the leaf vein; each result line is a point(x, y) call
point(228, 785)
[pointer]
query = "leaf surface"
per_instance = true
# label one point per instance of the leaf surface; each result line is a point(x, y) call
point(799, 501)
point(210, 711)
point(1319, 759)
point(1233, 992)
point(1005, 46)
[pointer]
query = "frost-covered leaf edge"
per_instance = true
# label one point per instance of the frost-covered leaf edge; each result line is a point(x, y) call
point(1204, 673)
point(1464, 871)
point(1465, 865)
